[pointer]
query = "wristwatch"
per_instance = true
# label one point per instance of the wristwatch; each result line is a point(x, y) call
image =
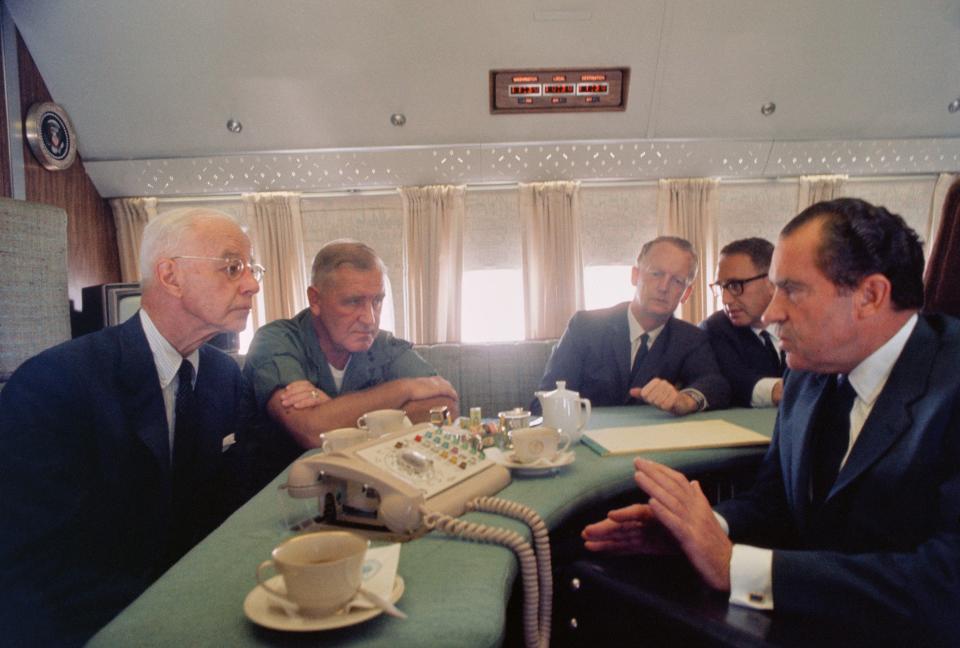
point(697, 398)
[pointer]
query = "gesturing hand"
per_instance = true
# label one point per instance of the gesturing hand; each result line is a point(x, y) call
point(629, 530)
point(682, 508)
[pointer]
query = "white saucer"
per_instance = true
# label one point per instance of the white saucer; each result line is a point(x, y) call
point(261, 608)
point(537, 467)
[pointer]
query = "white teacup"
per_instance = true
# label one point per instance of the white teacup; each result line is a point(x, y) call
point(342, 438)
point(534, 444)
point(380, 422)
point(321, 571)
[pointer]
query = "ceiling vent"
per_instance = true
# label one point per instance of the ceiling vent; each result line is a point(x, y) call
point(558, 90)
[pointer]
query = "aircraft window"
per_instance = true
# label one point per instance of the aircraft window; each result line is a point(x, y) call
point(492, 305)
point(606, 285)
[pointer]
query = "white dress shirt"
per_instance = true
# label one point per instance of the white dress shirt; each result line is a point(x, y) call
point(751, 582)
point(167, 359)
point(636, 332)
point(762, 395)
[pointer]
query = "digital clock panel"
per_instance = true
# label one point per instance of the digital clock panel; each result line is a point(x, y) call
point(558, 90)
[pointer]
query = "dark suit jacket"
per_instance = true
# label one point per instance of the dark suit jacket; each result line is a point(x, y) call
point(593, 356)
point(885, 547)
point(85, 488)
point(741, 355)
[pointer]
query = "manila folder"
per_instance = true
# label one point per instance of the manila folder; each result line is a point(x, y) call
point(679, 435)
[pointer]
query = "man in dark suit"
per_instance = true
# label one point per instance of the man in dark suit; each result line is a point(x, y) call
point(747, 351)
point(111, 462)
point(637, 351)
point(855, 515)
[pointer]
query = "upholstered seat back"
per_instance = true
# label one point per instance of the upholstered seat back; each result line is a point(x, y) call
point(495, 377)
point(34, 305)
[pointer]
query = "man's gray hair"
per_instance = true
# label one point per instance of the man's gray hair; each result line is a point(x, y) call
point(163, 235)
point(677, 242)
point(343, 252)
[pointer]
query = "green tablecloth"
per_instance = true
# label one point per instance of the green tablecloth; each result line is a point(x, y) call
point(456, 592)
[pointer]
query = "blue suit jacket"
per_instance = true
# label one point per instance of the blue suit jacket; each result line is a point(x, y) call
point(85, 488)
point(886, 544)
point(741, 355)
point(593, 356)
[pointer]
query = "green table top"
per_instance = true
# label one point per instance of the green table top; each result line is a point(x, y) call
point(456, 592)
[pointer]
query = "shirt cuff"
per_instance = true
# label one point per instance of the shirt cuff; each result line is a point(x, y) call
point(751, 577)
point(697, 396)
point(762, 395)
point(723, 522)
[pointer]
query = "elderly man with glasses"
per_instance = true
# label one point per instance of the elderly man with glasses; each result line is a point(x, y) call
point(748, 352)
point(637, 351)
point(111, 444)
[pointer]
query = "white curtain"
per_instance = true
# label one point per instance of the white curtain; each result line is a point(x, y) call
point(551, 261)
point(433, 261)
point(131, 215)
point(814, 189)
point(277, 233)
point(936, 210)
point(685, 209)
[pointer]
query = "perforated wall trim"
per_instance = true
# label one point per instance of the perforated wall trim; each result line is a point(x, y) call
point(335, 170)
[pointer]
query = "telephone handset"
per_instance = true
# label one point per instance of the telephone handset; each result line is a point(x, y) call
point(421, 479)
point(384, 484)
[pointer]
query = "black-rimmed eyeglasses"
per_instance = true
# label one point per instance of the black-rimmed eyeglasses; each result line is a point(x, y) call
point(735, 286)
point(234, 267)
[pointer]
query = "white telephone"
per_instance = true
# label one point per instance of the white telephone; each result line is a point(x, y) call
point(421, 479)
point(383, 484)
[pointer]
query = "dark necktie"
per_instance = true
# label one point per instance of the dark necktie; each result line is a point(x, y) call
point(772, 350)
point(184, 434)
point(832, 435)
point(183, 469)
point(638, 359)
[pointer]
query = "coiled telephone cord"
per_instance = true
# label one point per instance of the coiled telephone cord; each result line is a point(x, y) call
point(536, 623)
point(541, 545)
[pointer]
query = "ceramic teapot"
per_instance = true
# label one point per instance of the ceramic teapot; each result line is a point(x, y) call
point(563, 409)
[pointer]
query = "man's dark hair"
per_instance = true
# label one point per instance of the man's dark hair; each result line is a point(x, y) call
point(758, 249)
point(860, 239)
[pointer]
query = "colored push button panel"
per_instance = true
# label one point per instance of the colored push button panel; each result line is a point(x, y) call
point(431, 460)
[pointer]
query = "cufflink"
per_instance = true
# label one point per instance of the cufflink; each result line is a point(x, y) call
point(756, 597)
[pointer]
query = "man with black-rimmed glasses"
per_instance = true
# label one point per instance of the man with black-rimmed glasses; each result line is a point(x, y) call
point(749, 355)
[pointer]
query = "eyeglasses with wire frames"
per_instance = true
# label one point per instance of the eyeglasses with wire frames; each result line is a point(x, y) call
point(234, 266)
point(735, 286)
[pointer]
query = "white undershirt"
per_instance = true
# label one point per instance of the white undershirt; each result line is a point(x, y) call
point(167, 359)
point(751, 582)
point(338, 374)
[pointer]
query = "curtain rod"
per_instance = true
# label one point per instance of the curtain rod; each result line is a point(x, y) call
point(589, 184)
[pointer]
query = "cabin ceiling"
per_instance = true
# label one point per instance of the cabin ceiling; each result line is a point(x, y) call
point(151, 85)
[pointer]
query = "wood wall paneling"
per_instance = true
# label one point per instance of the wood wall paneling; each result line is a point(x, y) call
point(6, 186)
point(92, 256)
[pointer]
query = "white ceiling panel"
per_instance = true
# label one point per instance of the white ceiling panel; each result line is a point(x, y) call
point(844, 69)
point(150, 83)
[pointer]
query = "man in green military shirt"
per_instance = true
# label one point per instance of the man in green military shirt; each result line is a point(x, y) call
point(328, 365)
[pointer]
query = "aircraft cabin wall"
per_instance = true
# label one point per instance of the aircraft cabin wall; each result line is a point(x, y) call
point(615, 222)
